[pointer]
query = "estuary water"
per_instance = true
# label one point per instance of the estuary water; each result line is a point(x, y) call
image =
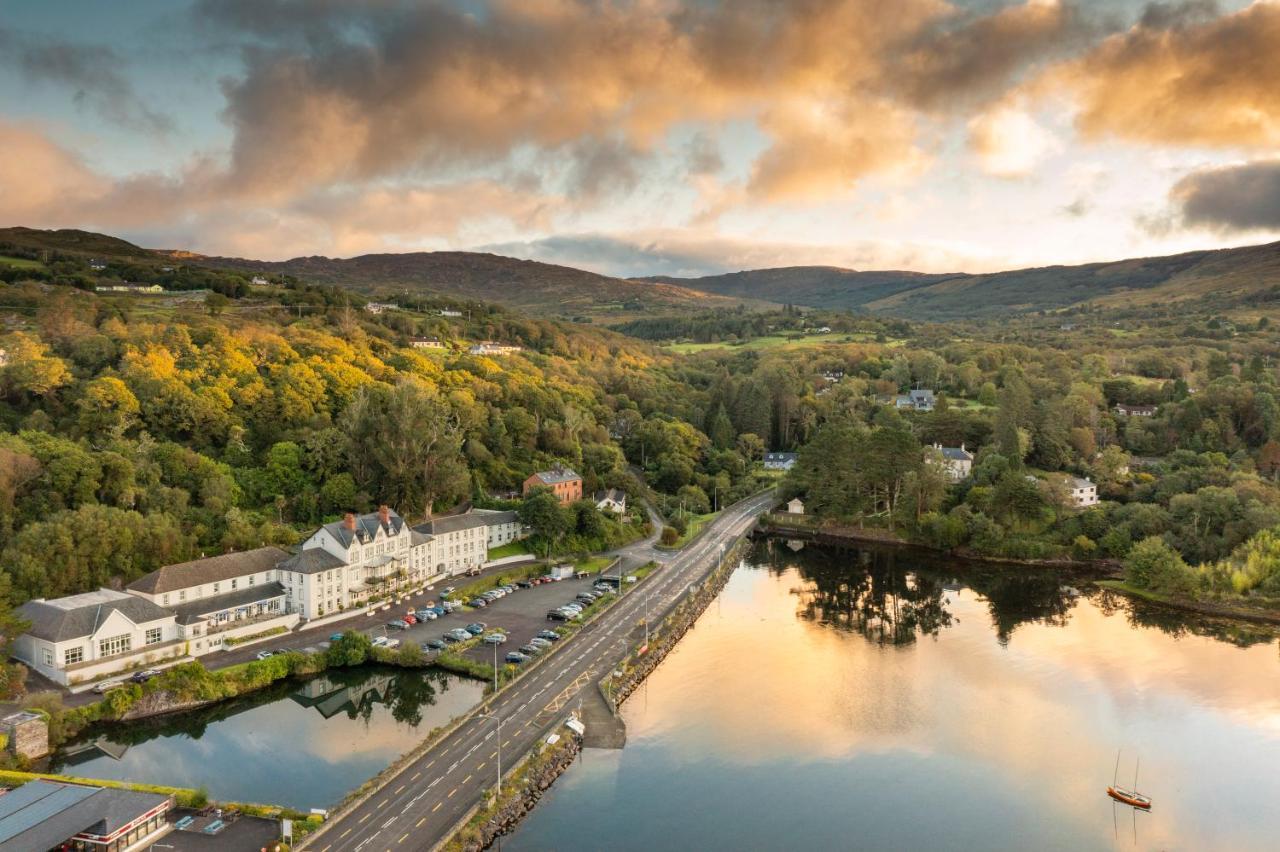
point(299, 743)
point(881, 700)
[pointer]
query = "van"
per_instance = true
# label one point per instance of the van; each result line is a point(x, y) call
point(473, 571)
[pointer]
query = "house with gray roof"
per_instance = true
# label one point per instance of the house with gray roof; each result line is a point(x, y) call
point(80, 638)
point(957, 462)
point(780, 461)
point(45, 814)
point(563, 481)
point(916, 399)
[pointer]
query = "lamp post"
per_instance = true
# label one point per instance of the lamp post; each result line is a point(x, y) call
point(495, 668)
point(495, 717)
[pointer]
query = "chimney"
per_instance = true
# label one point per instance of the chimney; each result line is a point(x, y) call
point(384, 515)
point(350, 521)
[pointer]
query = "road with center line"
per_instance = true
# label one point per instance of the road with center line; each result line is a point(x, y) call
point(418, 806)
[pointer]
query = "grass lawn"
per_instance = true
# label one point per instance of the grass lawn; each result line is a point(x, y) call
point(777, 341)
point(592, 564)
point(20, 262)
point(514, 548)
point(696, 523)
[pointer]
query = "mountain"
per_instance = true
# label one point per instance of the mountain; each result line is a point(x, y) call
point(814, 286)
point(70, 241)
point(1220, 278)
point(537, 288)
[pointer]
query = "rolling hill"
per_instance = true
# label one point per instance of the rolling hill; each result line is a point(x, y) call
point(1219, 278)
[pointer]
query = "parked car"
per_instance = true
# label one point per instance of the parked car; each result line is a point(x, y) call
point(144, 675)
point(477, 603)
point(525, 584)
point(559, 615)
point(262, 655)
point(549, 635)
point(107, 686)
point(530, 650)
point(574, 605)
point(409, 618)
point(380, 642)
point(398, 624)
point(334, 637)
point(450, 606)
point(473, 571)
point(459, 635)
point(426, 615)
point(586, 597)
point(475, 628)
point(538, 642)
point(434, 645)
point(447, 590)
point(392, 644)
point(495, 639)
point(508, 588)
point(516, 657)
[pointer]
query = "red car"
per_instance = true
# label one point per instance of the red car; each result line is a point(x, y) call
point(409, 619)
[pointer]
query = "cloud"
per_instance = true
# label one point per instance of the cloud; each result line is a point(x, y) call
point(1231, 198)
point(41, 179)
point(1009, 143)
point(1181, 78)
point(92, 72)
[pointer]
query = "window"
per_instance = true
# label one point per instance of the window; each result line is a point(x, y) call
point(233, 583)
point(47, 656)
point(114, 645)
point(252, 577)
point(215, 588)
point(153, 635)
point(71, 656)
point(182, 595)
point(165, 600)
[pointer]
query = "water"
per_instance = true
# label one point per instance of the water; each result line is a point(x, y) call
point(299, 743)
point(872, 700)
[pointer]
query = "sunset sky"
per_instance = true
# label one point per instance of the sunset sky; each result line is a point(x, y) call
point(649, 137)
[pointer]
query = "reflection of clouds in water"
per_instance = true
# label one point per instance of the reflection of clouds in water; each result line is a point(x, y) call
point(1048, 710)
point(283, 752)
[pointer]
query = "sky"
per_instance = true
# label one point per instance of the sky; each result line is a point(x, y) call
point(672, 137)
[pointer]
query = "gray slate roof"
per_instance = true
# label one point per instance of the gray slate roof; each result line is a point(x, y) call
point(956, 454)
point(617, 495)
point(43, 814)
point(80, 615)
point(551, 477)
point(452, 523)
point(493, 517)
point(366, 528)
point(1077, 482)
point(193, 611)
point(313, 560)
point(212, 569)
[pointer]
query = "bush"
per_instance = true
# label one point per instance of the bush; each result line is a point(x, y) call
point(670, 535)
point(1084, 547)
point(1153, 564)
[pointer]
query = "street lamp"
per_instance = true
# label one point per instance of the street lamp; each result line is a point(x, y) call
point(498, 719)
point(495, 668)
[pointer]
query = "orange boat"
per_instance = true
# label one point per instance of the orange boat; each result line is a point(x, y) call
point(1137, 800)
point(1130, 797)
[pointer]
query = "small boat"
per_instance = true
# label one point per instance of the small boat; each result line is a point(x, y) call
point(1130, 797)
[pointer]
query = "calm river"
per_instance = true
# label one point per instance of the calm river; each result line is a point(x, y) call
point(303, 744)
point(845, 699)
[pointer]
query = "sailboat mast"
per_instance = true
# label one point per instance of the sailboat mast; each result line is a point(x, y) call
point(1135, 773)
point(1116, 775)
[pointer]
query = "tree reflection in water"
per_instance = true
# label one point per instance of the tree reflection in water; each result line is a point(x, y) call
point(892, 595)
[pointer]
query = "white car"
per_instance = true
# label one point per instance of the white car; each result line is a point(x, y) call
point(107, 685)
point(381, 642)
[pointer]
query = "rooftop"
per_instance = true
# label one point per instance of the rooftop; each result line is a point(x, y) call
point(212, 569)
point(551, 477)
point(367, 527)
point(312, 560)
point(193, 611)
point(80, 615)
point(43, 814)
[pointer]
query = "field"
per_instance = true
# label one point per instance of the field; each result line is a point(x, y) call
point(515, 548)
point(20, 262)
point(778, 341)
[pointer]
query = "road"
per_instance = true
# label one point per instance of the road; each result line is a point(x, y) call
point(417, 807)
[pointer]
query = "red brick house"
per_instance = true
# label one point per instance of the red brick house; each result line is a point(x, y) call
point(566, 484)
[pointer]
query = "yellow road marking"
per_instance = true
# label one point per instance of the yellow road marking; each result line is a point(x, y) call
point(420, 822)
point(465, 780)
point(415, 776)
point(402, 839)
point(382, 804)
point(478, 768)
point(451, 792)
point(436, 808)
point(398, 789)
point(344, 834)
point(365, 817)
point(493, 754)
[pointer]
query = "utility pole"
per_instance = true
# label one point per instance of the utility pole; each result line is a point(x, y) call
point(498, 719)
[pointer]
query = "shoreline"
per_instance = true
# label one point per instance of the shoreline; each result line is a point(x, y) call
point(1109, 571)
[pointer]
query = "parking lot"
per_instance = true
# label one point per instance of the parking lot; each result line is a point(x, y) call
point(520, 615)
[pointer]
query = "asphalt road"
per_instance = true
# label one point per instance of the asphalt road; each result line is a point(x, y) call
point(417, 807)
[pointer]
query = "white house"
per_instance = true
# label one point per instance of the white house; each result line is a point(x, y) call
point(614, 500)
point(1083, 492)
point(489, 347)
point(84, 637)
point(344, 563)
point(446, 312)
point(796, 506)
point(220, 597)
point(380, 307)
point(1136, 410)
point(957, 462)
point(780, 461)
point(426, 343)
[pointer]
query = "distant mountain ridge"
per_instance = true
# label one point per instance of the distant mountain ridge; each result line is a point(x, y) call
point(1226, 277)
point(1218, 278)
